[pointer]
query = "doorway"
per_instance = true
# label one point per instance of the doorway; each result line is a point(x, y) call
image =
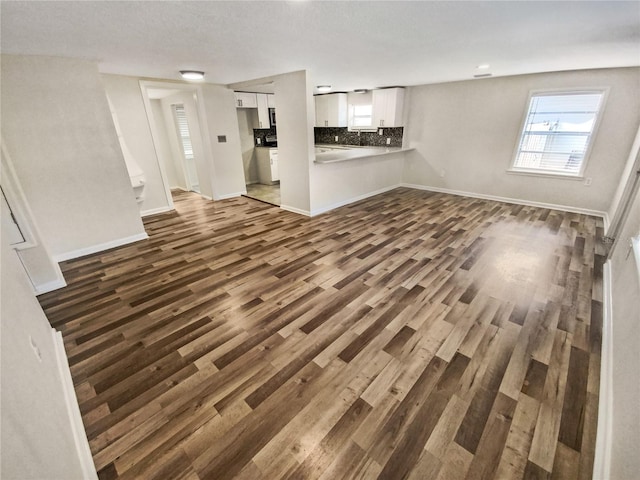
point(188, 162)
point(175, 115)
point(255, 110)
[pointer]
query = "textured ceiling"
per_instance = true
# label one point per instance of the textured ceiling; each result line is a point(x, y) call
point(345, 44)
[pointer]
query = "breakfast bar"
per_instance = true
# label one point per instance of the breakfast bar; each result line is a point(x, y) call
point(343, 153)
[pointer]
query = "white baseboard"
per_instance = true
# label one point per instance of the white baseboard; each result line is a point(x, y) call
point(100, 247)
point(50, 286)
point(155, 211)
point(348, 201)
point(295, 210)
point(230, 195)
point(73, 410)
point(517, 201)
point(602, 460)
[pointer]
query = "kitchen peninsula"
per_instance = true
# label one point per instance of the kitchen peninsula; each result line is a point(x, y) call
point(343, 153)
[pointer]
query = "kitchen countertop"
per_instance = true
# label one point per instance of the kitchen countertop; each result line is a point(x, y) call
point(342, 153)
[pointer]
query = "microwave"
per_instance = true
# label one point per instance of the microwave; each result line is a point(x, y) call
point(272, 116)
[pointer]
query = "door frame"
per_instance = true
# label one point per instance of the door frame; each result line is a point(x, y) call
point(145, 85)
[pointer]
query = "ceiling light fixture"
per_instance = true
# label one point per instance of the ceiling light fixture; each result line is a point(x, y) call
point(192, 74)
point(324, 88)
point(360, 90)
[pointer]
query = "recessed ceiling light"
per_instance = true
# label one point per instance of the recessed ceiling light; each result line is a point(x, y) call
point(192, 74)
point(324, 88)
point(360, 90)
point(484, 66)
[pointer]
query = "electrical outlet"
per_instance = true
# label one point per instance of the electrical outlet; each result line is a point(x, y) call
point(336, 138)
point(258, 141)
point(379, 131)
point(388, 141)
point(587, 181)
point(442, 172)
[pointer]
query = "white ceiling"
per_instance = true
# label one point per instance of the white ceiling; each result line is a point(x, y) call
point(345, 44)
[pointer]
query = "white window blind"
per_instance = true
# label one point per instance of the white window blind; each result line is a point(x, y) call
point(557, 132)
point(183, 130)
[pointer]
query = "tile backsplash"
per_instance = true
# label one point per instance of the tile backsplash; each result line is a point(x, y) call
point(345, 137)
point(261, 133)
point(327, 135)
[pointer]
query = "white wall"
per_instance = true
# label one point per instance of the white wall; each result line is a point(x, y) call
point(469, 131)
point(247, 117)
point(37, 437)
point(221, 119)
point(126, 98)
point(341, 183)
point(296, 111)
point(625, 461)
point(59, 132)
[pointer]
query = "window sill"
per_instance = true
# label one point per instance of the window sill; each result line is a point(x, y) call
point(363, 129)
point(535, 173)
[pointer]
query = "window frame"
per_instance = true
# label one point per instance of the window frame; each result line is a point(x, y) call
point(539, 172)
point(351, 115)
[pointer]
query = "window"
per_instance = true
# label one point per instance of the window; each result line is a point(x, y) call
point(557, 132)
point(361, 117)
point(183, 131)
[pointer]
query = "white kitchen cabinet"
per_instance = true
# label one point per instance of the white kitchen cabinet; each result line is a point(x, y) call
point(246, 100)
point(263, 110)
point(271, 100)
point(331, 110)
point(267, 165)
point(388, 107)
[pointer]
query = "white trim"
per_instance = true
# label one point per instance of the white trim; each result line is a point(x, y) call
point(50, 286)
point(348, 201)
point(155, 135)
point(295, 210)
point(544, 173)
point(606, 222)
point(602, 457)
point(517, 201)
point(154, 211)
point(230, 195)
point(73, 410)
point(99, 248)
point(635, 244)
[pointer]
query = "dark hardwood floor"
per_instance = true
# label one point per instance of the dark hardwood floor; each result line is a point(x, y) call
point(411, 335)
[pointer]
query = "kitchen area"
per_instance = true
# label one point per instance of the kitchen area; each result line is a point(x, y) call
point(259, 143)
point(348, 126)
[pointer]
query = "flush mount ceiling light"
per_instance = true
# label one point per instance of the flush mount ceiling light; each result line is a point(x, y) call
point(482, 71)
point(192, 74)
point(324, 88)
point(360, 90)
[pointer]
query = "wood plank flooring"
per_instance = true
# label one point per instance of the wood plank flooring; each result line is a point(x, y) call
point(411, 335)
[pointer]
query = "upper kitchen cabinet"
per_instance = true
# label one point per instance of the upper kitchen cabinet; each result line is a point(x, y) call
point(263, 110)
point(388, 107)
point(246, 100)
point(271, 100)
point(331, 110)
